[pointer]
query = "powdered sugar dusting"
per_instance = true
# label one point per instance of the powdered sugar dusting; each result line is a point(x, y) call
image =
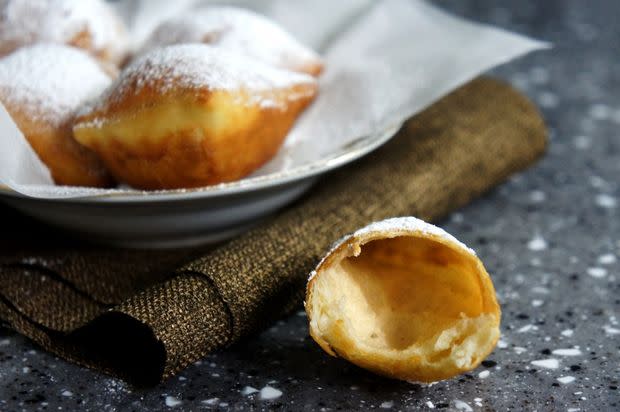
point(50, 81)
point(61, 21)
point(198, 66)
point(394, 227)
point(402, 225)
point(236, 30)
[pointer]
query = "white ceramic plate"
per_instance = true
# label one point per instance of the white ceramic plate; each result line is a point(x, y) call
point(178, 218)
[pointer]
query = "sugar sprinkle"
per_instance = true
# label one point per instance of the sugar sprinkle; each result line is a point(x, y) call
point(611, 330)
point(567, 352)
point(269, 393)
point(172, 402)
point(248, 390)
point(537, 244)
point(597, 272)
point(566, 379)
point(462, 406)
point(547, 363)
point(607, 259)
point(605, 201)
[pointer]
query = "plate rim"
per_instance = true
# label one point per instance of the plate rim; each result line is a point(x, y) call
point(247, 185)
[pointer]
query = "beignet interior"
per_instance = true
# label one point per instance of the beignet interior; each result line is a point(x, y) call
point(407, 307)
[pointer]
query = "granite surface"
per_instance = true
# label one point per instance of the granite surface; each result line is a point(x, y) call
point(550, 238)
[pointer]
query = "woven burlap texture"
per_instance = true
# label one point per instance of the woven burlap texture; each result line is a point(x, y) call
point(145, 315)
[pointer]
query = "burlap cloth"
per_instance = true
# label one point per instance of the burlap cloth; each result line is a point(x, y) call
point(145, 315)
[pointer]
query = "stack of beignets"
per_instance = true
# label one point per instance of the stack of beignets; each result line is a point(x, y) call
point(209, 104)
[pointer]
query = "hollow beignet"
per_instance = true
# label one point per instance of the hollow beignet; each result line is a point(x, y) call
point(192, 115)
point(404, 299)
point(91, 25)
point(41, 87)
point(241, 31)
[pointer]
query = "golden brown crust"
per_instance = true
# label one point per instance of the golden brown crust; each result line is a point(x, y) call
point(108, 57)
point(394, 341)
point(83, 40)
point(192, 153)
point(315, 69)
point(7, 47)
point(70, 163)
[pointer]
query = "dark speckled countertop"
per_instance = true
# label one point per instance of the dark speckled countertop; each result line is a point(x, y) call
point(550, 238)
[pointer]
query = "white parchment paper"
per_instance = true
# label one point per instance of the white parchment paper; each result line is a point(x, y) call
point(385, 61)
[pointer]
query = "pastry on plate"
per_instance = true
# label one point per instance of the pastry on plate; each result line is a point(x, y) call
point(241, 31)
point(192, 115)
point(41, 87)
point(91, 25)
point(404, 299)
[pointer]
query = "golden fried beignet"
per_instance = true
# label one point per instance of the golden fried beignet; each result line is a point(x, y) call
point(192, 115)
point(91, 25)
point(41, 87)
point(241, 31)
point(404, 299)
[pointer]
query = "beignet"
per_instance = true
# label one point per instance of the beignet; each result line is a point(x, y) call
point(41, 87)
point(91, 25)
point(192, 115)
point(404, 299)
point(241, 31)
